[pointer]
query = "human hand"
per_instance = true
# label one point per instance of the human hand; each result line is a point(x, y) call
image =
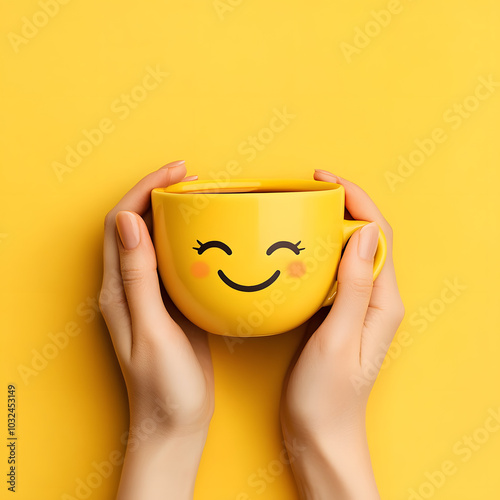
point(164, 358)
point(326, 391)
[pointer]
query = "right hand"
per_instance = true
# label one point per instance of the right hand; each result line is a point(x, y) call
point(325, 394)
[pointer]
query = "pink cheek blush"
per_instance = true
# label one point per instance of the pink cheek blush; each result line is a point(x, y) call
point(296, 269)
point(200, 269)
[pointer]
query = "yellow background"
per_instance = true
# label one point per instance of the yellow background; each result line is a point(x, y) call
point(229, 70)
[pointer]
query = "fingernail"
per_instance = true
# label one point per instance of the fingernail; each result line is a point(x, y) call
point(190, 178)
point(334, 178)
point(178, 163)
point(171, 171)
point(368, 239)
point(128, 229)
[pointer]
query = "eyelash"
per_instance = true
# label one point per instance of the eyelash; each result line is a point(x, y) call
point(212, 244)
point(294, 247)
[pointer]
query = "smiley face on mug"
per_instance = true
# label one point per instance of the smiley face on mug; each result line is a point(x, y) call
point(201, 268)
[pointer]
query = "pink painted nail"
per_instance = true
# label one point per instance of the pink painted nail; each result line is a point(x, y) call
point(368, 239)
point(128, 229)
point(178, 163)
point(331, 176)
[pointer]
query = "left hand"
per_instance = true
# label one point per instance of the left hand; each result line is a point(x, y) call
point(165, 359)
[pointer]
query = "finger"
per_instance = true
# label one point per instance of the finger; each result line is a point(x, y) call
point(112, 299)
point(148, 216)
point(139, 276)
point(114, 308)
point(357, 201)
point(386, 309)
point(344, 323)
point(362, 207)
point(138, 200)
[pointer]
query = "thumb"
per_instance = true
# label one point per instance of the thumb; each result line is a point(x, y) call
point(138, 270)
point(355, 282)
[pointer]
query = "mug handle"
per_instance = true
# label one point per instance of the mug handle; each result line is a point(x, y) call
point(348, 229)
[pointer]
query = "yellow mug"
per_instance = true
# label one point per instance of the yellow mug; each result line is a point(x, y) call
point(252, 257)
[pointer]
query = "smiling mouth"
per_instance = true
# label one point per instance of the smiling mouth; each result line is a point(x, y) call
point(248, 288)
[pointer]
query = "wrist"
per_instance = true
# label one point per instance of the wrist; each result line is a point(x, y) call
point(161, 464)
point(333, 462)
point(146, 439)
point(152, 419)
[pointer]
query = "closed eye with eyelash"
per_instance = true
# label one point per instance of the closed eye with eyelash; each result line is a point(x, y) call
point(212, 244)
point(294, 247)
